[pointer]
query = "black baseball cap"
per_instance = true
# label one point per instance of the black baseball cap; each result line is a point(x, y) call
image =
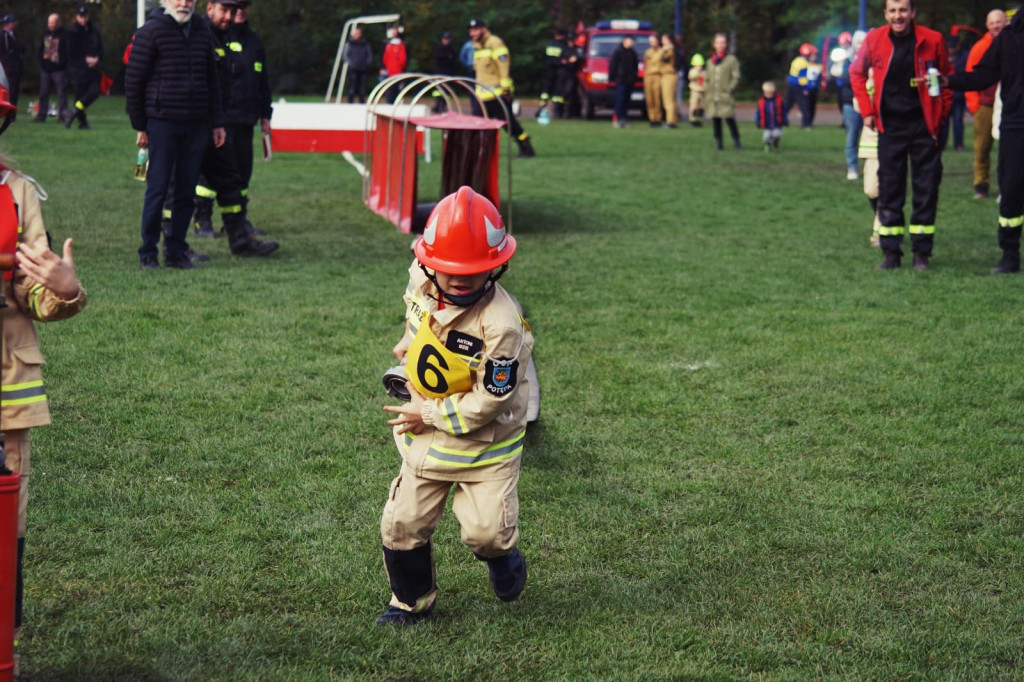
point(477, 23)
point(83, 11)
point(8, 19)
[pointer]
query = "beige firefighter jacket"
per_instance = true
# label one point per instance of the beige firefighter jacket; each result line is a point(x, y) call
point(476, 435)
point(492, 65)
point(652, 63)
point(667, 63)
point(23, 397)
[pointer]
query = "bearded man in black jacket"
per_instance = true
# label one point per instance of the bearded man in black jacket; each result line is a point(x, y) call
point(174, 102)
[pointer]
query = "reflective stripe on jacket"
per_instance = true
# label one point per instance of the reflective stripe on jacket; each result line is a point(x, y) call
point(492, 65)
point(22, 395)
point(477, 434)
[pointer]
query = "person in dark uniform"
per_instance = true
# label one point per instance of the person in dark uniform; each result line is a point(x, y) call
point(446, 63)
point(85, 49)
point(227, 169)
point(908, 120)
point(12, 57)
point(254, 100)
point(1002, 64)
point(556, 55)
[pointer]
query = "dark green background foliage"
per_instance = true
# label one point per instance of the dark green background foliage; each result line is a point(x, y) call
point(302, 35)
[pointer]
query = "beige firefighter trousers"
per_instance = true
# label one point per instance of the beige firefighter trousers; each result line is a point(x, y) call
point(488, 512)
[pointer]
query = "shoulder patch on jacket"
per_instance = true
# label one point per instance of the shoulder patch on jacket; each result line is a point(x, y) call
point(500, 375)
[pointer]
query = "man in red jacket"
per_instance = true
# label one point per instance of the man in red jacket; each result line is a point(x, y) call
point(908, 120)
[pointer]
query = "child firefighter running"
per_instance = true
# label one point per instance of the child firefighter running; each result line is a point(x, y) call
point(465, 351)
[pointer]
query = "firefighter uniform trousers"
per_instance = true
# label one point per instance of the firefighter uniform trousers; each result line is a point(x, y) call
point(1010, 173)
point(496, 110)
point(487, 511)
point(220, 167)
point(900, 141)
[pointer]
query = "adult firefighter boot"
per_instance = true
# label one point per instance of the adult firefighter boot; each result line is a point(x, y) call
point(249, 227)
point(526, 148)
point(203, 217)
point(1009, 242)
point(241, 242)
point(890, 258)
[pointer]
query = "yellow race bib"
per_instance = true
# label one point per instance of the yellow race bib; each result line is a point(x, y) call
point(433, 370)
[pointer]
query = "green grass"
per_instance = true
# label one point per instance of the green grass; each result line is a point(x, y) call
point(757, 456)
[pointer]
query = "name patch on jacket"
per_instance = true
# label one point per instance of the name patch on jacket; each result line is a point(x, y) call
point(463, 343)
point(500, 375)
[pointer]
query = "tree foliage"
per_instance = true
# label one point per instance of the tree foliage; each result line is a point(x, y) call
point(301, 36)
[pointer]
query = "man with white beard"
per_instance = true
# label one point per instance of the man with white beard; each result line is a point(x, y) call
point(174, 102)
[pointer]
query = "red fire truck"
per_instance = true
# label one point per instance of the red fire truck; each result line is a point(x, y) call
point(601, 41)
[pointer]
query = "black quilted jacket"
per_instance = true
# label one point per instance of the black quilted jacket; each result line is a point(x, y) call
point(171, 73)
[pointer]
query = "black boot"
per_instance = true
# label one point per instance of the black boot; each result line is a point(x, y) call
point(249, 227)
point(203, 218)
point(1009, 264)
point(241, 242)
point(83, 122)
point(411, 574)
point(526, 148)
point(507, 574)
point(890, 260)
point(1009, 242)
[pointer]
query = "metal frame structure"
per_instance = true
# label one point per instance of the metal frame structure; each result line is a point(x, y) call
point(346, 31)
point(414, 87)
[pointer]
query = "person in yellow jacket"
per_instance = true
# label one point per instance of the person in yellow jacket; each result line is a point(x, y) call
point(669, 81)
point(492, 68)
point(42, 287)
point(696, 79)
point(652, 80)
point(466, 349)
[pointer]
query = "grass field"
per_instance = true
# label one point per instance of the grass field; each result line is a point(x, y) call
point(757, 456)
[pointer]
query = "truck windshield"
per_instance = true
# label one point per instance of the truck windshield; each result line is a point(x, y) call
point(604, 45)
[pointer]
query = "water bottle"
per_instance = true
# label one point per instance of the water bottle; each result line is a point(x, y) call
point(142, 163)
point(544, 118)
point(933, 80)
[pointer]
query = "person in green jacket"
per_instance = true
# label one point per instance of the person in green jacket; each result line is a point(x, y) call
point(723, 75)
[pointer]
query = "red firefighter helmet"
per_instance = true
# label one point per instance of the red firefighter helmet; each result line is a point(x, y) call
point(465, 235)
point(806, 50)
point(5, 94)
point(845, 39)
